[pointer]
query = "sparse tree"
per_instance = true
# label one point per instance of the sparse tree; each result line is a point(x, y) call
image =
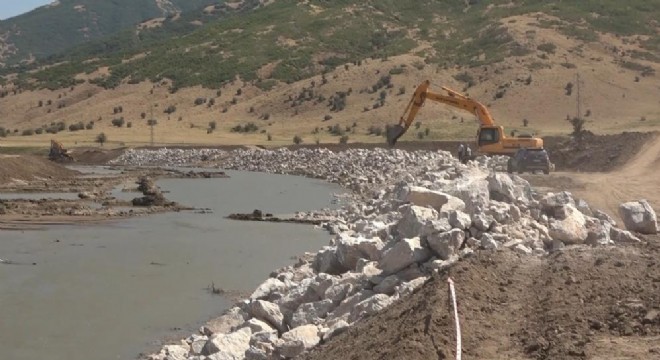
point(525, 122)
point(297, 140)
point(578, 129)
point(101, 138)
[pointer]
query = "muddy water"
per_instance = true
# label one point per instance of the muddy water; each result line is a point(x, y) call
point(113, 291)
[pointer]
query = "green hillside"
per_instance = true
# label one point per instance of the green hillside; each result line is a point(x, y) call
point(54, 28)
point(299, 39)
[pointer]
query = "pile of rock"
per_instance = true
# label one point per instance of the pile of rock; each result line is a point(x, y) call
point(152, 194)
point(420, 213)
point(167, 157)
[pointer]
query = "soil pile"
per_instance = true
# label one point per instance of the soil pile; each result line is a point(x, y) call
point(572, 304)
point(27, 167)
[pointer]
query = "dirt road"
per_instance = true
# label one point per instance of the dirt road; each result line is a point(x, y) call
point(638, 179)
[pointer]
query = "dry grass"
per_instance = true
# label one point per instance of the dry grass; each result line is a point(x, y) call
point(617, 101)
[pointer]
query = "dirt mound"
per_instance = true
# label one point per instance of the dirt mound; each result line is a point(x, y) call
point(94, 156)
point(572, 304)
point(598, 153)
point(27, 167)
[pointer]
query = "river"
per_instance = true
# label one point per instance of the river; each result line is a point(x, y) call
point(115, 290)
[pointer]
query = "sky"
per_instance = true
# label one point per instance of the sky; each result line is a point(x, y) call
point(10, 8)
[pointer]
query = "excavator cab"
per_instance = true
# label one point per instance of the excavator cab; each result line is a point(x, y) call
point(488, 135)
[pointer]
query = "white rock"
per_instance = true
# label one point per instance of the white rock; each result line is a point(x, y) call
point(639, 216)
point(268, 312)
point(407, 288)
point(444, 245)
point(402, 254)
point(553, 200)
point(508, 188)
point(433, 199)
point(326, 261)
point(257, 326)
point(571, 228)
point(348, 252)
point(413, 220)
point(228, 346)
point(460, 220)
point(622, 236)
point(488, 242)
point(336, 329)
point(225, 323)
point(269, 286)
point(175, 352)
point(584, 207)
point(522, 249)
point(440, 265)
point(349, 303)
point(370, 306)
point(371, 249)
point(598, 232)
point(295, 341)
point(311, 313)
point(481, 222)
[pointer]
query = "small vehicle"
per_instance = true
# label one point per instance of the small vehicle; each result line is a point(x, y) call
point(529, 160)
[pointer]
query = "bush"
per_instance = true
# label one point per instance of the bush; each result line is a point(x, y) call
point(76, 127)
point(101, 138)
point(90, 125)
point(200, 101)
point(297, 140)
point(3, 132)
point(343, 139)
point(375, 130)
point(212, 125)
point(28, 132)
point(247, 128)
point(547, 48)
point(118, 122)
point(129, 124)
point(152, 122)
point(170, 110)
point(39, 131)
point(270, 137)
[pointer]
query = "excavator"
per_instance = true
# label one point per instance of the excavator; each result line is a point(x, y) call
point(58, 153)
point(491, 139)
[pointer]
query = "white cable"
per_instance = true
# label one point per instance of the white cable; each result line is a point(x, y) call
point(458, 325)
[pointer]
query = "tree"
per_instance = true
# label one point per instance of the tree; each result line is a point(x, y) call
point(525, 122)
point(297, 140)
point(578, 129)
point(101, 138)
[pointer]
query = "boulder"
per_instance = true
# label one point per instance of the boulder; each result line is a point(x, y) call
point(387, 285)
point(326, 261)
point(434, 199)
point(622, 236)
point(446, 244)
point(269, 286)
point(311, 313)
point(508, 188)
point(402, 254)
point(268, 312)
point(336, 329)
point(413, 220)
point(257, 326)
point(225, 323)
point(175, 352)
point(348, 252)
point(228, 346)
point(571, 226)
point(472, 190)
point(370, 306)
point(295, 341)
point(459, 220)
point(638, 216)
point(371, 249)
point(349, 303)
point(407, 288)
point(488, 242)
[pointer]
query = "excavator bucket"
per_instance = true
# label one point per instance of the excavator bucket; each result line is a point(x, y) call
point(394, 133)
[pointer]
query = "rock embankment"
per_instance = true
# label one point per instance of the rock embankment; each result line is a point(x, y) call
point(414, 213)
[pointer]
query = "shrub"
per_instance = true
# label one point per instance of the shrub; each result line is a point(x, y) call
point(118, 122)
point(152, 122)
point(343, 139)
point(200, 101)
point(270, 137)
point(28, 132)
point(525, 122)
point(90, 125)
point(39, 131)
point(297, 140)
point(547, 48)
point(129, 124)
point(170, 110)
point(212, 125)
point(101, 138)
point(76, 127)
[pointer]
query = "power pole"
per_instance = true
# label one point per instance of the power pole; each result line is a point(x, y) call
point(579, 113)
point(151, 124)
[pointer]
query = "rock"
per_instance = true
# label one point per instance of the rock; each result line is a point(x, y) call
point(371, 249)
point(336, 329)
point(295, 341)
point(622, 236)
point(552, 200)
point(370, 306)
point(387, 285)
point(311, 313)
point(435, 226)
point(440, 265)
point(413, 220)
point(269, 286)
point(522, 249)
point(402, 254)
point(604, 217)
point(257, 326)
point(444, 245)
point(407, 288)
point(472, 190)
point(459, 220)
point(225, 323)
point(175, 352)
point(488, 242)
point(433, 199)
point(197, 346)
point(349, 303)
point(598, 232)
point(268, 312)
point(481, 222)
point(348, 252)
point(571, 229)
point(584, 208)
point(638, 216)
point(508, 188)
point(326, 261)
point(228, 346)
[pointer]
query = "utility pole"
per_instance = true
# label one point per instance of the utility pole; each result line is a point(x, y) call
point(151, 124)
point(579, 113)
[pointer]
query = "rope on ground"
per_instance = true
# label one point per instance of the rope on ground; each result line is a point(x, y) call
point(452, 293)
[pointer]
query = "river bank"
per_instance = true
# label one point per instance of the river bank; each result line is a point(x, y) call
point(415, 214)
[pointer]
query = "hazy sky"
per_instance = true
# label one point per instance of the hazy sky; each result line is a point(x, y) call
point(9, 8)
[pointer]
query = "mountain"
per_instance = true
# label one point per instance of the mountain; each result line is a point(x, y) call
point(63, 24)
point(322, 69)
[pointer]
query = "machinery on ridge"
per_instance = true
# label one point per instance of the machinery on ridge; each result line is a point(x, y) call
point(58, 153)
point(491, 139)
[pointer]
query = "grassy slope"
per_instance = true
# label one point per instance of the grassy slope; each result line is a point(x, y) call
point(481, 50)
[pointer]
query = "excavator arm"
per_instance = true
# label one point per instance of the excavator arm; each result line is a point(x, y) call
point(452, 98)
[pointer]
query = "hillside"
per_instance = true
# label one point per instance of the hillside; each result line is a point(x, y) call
point(63, 24)
point(321, 70)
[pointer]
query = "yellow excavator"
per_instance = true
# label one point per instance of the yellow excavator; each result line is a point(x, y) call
point(491, 139)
